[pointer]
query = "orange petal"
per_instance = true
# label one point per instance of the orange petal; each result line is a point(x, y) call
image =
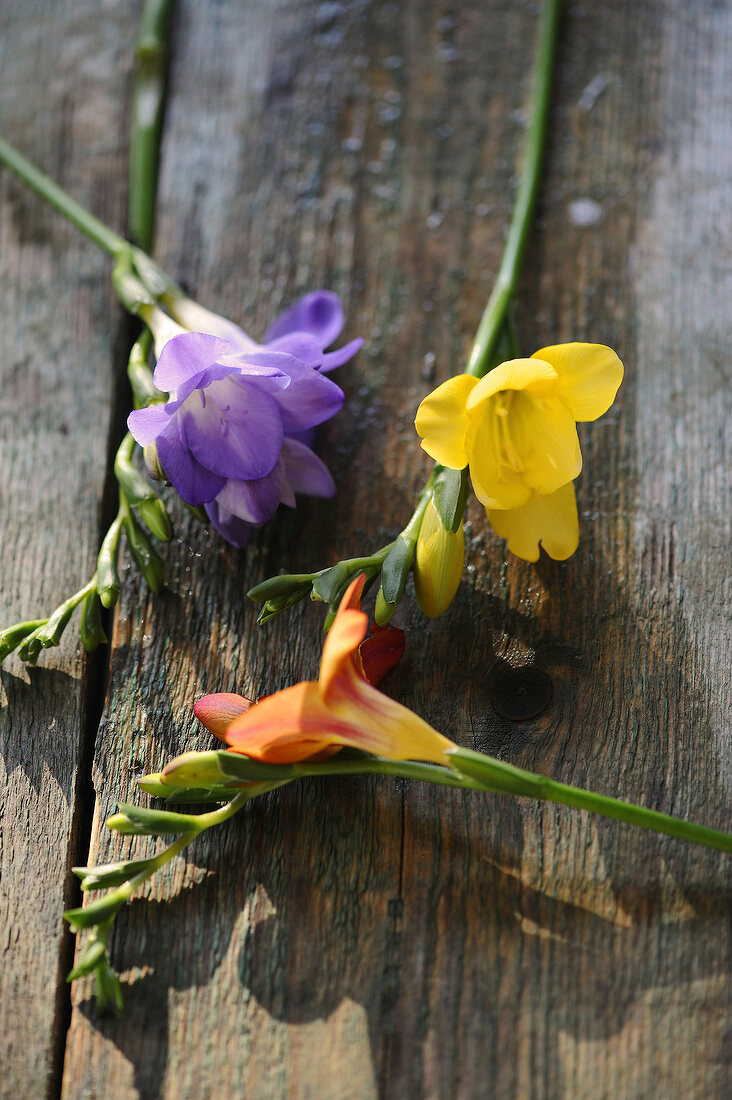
point(218, 711)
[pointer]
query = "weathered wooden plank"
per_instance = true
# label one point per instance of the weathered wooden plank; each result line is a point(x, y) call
point(364, 938)
point(63, 72)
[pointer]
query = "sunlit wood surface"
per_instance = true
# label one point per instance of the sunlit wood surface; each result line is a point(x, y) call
point(371, 938)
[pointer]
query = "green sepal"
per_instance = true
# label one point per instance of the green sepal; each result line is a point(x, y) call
point(129, 287)
point(108, 989)
point(109, 874)
point(89, 959)
point(450, 497)
point(156, 281)
point(92, 629)
point(396, 567)
point(97, 912)
point(330, 582)
point(236, 766)
point(496, 775)
point(146, 558)
point(283, 585)
point(201, 796)
point(11, 638)
point(138, 821)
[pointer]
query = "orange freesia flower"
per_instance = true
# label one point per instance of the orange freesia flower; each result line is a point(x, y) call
point(341, 708)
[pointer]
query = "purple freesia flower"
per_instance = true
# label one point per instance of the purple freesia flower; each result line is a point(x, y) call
point(231, 435)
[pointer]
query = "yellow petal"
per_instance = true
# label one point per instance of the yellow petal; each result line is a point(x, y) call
point(495, 483)
point(515, 374)
point(549, 519)
point(589, 377)
point(442, 421)
point(544, 434)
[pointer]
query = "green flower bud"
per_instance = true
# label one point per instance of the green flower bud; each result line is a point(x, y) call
point(396, 567)
point(152, 463)
point(439, 563)
point(283, 585)
point(108, 989)
point(92, 629)
point(383, 610)
point(110, 874)
point(146, 558)
point(137, 821)
point(108, 582)
point(12, 637)
point(154, 515)
point(89, 959)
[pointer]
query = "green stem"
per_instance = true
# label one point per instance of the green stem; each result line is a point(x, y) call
point(508, 273)
point(497, 775)
point(148, 103)
point(96, 230)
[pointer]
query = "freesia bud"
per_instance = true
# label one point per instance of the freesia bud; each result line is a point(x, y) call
point(147, 560)
point(439, 564)
point(152, 462)
point(153, 514)
point(218, 711)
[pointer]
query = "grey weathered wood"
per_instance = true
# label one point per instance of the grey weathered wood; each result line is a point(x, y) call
point(365, 938)
point(63, 71)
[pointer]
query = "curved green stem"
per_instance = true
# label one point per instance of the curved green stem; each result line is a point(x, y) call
point(508, 273)
point(92, 227)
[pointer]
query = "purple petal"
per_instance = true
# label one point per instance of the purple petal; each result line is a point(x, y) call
point(255, 501)
point(235, 530)
point(147, 424)
point(233, 428)
point(333, 359)
point(309, 399)
point(191, 481)
point(304, 470)
point(319, 313)
point(302, 346)
point(186, 356)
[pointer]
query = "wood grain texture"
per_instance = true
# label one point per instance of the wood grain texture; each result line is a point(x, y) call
point(367, 938)
point(63, 73)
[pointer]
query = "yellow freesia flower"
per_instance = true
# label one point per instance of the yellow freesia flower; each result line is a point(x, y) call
point(516, 430)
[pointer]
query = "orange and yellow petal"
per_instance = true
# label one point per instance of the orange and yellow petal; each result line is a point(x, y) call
point(442, 421)
point(348, 630)
point(380, 725)
point(589, 377)
point(283, 728)
point(550, 519)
